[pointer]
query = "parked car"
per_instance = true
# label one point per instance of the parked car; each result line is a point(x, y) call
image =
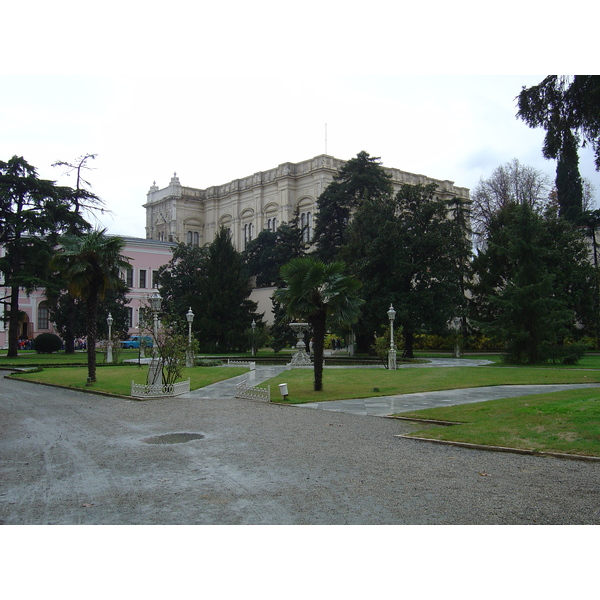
point(135, 340)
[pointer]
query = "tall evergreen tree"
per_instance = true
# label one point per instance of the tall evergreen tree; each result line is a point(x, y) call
point(521, 307)
point(591, 222)
point(360, 179)
point(228, 309)
point(183, 279)
point(532, 282)
point(270, 250)
point(569, 185)
point(568, 109)
point(214, 282)
point(408, 252)
point(33, 212)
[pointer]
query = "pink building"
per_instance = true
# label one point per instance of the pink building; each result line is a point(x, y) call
point(146, 257)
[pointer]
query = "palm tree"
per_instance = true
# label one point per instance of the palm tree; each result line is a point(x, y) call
point(315, 292)
point(90, 263)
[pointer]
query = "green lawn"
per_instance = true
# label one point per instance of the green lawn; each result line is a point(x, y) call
point(339, 384)
point(117, 380)
point(564, 422)
point(28, 358)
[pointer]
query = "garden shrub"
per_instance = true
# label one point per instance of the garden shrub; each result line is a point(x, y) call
point(46, 343)
point(567, 355)
point(208, 362)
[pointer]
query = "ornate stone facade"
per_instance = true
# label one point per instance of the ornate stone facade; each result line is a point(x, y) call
point(248, 205)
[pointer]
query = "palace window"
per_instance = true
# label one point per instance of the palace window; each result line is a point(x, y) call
point(43, 316)
point(248, 230)
point(193, 238)
point(272, 224)
point(142, 278)
point(306, 225)
point(129, 277)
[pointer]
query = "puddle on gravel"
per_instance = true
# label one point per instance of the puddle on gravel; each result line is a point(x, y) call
point(173, 438)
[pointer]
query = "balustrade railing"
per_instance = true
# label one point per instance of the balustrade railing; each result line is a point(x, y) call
point(142, 390)
point(251, 392)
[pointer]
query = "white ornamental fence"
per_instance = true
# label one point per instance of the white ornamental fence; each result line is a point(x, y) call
point(241, 363)
point(142, 390)
point(251, 392)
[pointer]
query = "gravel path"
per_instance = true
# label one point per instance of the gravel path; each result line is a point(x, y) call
point(68, 457)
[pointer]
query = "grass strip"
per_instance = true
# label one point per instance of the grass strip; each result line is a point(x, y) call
point(117, 380)
point(565, 422)
point(341, 384)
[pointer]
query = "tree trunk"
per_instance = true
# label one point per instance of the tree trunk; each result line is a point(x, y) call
point(364, 343)
point(92, 304)
point(13, 323)
point(318, 327)
point(408, 345)
point(69, 335)
point(597, 299)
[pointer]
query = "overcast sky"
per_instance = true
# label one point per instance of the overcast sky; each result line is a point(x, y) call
point(221, 93)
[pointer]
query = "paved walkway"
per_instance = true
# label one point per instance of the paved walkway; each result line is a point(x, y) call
point(67, 458)
point(382, 406)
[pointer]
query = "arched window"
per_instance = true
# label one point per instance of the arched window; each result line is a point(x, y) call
point(189, 238)
point(196, 238)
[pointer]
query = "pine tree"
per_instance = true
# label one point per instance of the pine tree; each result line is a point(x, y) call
point(569, 185)
point(265, 255)
point(33, 212)
point(409, 253)
point(228, 312)
point(360, 179)
point(517, 294)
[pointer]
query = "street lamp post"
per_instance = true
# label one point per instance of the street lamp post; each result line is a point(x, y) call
point(392, 366)
point(253, 332)
point(109, 352)
point(455, 325)
point(189, 359)
point(155, 372)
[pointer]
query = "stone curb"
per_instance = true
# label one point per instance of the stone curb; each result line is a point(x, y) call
point(429, 421)
point(503, 449)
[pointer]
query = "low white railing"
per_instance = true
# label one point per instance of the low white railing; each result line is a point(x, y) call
point(250, 392)
point(241, 363)
point(143, 390)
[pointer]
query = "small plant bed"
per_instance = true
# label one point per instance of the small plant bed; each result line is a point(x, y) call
point(117, 380)
point(561, 422)
point(341, 384)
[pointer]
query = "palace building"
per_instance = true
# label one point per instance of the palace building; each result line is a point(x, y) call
point(245, 206)
point(264, 200)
